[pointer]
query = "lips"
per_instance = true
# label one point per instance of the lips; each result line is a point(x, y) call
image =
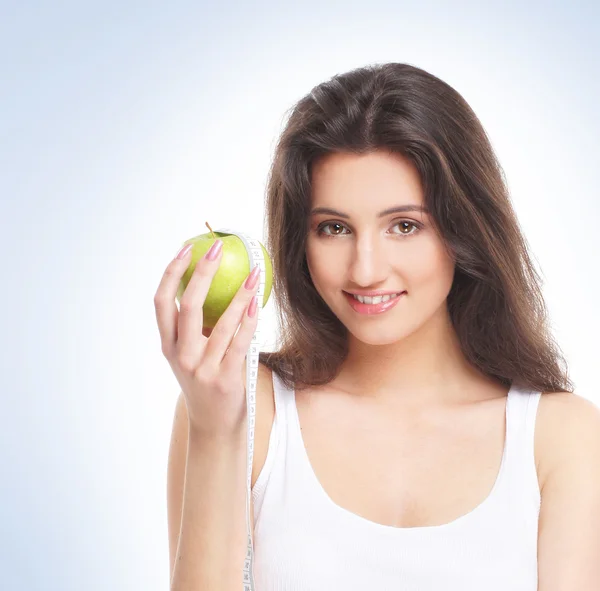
point(370, 309)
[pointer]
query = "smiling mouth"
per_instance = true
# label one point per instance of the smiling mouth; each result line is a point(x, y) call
point(373, 300)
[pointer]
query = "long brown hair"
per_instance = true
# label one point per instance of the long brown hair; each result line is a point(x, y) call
point(495, 302)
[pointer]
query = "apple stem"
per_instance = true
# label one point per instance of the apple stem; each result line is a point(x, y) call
point(211, 230)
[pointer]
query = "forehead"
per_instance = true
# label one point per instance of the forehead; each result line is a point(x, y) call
point(377, 177)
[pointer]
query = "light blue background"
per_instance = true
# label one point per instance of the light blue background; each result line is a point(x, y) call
point(124, 126)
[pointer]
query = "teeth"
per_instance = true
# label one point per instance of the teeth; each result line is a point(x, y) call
point(374, 300)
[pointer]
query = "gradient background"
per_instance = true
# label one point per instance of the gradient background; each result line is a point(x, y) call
point(125, 126)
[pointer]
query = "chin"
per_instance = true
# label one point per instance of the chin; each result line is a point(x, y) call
point(372, 334)
point(385, 330)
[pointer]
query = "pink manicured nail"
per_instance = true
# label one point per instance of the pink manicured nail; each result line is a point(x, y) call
point(181, 254)
point(214, 250)
point(252, 307)
point(252, 278)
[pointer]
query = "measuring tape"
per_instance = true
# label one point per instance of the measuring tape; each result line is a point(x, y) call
point(255, 255)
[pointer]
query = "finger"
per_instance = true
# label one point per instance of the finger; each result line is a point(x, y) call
point(238, 348)
point(189, 327)
point(228, 323)
point(164, 300)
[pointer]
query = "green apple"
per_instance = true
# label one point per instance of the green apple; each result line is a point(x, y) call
point(231, 273)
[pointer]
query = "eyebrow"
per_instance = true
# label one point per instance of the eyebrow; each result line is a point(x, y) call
point(397, 209)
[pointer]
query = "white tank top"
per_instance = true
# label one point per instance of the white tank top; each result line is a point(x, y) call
point(304, 541)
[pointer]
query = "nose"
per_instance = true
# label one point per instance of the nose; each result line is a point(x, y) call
point(369, 265)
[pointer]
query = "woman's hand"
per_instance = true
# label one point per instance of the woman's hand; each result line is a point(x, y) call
point(207, 362)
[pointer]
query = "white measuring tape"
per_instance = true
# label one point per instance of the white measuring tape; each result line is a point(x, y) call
point(256, 257)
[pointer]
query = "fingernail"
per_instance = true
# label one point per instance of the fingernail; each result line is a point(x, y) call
point(181, 254)
point(214, 250)
point(252, 278)
point(252, 307)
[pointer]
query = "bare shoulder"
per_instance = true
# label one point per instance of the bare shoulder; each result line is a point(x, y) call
point(568, 426)
point(569, 519)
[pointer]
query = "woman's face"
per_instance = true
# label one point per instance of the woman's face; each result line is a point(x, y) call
point(359, 249)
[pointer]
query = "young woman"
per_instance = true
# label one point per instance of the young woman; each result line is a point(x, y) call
point(427, 439)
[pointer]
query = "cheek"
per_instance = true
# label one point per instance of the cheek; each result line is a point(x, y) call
point(325, 269)
point(430, 267)
point(320, 268)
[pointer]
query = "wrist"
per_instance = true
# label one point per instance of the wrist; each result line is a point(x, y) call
point(227, 440)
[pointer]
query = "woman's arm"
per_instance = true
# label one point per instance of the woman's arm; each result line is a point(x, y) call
point(569, 522)
point(206, 493)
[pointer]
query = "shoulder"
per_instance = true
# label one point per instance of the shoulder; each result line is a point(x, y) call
point(567, 431)
point(569, 519)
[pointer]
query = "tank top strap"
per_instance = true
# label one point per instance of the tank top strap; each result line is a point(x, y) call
point(521, 471)
point(284, 398)
point(277, 439)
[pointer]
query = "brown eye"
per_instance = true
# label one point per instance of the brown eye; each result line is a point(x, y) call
point(406, 224)
point(330, 225)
